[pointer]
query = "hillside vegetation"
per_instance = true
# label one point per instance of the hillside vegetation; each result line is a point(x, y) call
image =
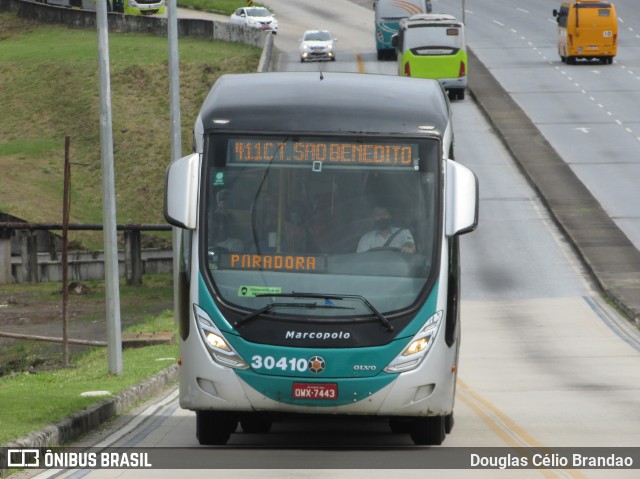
point(49, 89)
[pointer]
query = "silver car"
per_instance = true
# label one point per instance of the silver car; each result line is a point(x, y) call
point(317, 45)
point(255, 17)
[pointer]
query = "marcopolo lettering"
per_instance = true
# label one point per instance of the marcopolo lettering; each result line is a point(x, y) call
point(322, 335)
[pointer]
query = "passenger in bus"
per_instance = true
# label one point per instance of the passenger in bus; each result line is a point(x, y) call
point(319, 224)
point(221, 233)
point(385, 235)
point(262, 236)
point(296, 234)
point(222, 201)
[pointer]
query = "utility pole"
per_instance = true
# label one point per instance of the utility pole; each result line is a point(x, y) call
point(66, 206)
point(174, 80)
point(176, 132)
point(111, 278)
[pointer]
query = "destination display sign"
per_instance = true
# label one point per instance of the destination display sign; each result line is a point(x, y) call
point(270, 262)
point(334, 152)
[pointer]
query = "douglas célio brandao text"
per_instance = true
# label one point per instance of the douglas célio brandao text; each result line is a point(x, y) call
point(550, 460)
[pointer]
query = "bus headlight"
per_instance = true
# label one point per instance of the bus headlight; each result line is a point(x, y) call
point(221, 351)
point(417, 349)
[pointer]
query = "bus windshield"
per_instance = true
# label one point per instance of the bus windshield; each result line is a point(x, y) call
point(320, 215)
point(436, 39)
point(394, 10)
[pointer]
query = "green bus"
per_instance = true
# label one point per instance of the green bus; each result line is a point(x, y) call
point(130, 7)
point(433, 46)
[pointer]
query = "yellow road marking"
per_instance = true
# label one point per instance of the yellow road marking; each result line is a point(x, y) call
point(360, 63)
point(507, 429)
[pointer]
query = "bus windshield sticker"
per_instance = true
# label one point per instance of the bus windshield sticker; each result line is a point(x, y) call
point(252, 291)
point(335, 152)
point(218, 178)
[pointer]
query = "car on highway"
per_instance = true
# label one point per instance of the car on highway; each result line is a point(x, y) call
point(317, 45)
point(255, 17)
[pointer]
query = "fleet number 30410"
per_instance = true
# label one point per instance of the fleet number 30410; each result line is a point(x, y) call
point(284, 364)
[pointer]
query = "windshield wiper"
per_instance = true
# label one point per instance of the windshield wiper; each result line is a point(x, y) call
point(272, 306)
point(338, 297)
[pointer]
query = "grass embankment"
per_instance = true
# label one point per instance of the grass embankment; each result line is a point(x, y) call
point(31, 401)
point(31, 398)
point(49, 84)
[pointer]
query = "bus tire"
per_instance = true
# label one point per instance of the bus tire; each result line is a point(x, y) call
point(448, 423)
point(456, 94)
point(428, 431)
point(213, 428)
point(399, 425)
point(571, 60)
point(255, 424)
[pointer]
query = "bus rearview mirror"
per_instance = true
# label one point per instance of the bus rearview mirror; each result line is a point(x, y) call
point(181, 192)
point(462, 200)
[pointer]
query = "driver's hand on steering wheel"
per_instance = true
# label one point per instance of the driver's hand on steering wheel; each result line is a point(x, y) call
point(408, 248)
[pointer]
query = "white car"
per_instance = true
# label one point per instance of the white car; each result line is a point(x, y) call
point(255, 17)
point(317, 45)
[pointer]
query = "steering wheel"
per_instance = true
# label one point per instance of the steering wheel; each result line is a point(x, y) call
point(383, 248)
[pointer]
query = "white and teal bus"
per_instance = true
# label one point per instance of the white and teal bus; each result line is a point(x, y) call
point(282, 309)
point(388, 14)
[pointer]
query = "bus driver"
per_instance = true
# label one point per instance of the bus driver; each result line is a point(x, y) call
point(385, 235)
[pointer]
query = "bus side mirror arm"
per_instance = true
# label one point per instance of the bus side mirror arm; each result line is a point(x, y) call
point(462, 200)
point(181, 192)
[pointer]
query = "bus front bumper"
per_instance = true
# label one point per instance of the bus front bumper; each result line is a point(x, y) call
point(453, 83)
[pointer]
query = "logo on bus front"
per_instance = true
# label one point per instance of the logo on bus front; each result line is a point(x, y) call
point(316, 365)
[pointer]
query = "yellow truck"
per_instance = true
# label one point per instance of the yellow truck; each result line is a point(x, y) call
point(587, 29)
